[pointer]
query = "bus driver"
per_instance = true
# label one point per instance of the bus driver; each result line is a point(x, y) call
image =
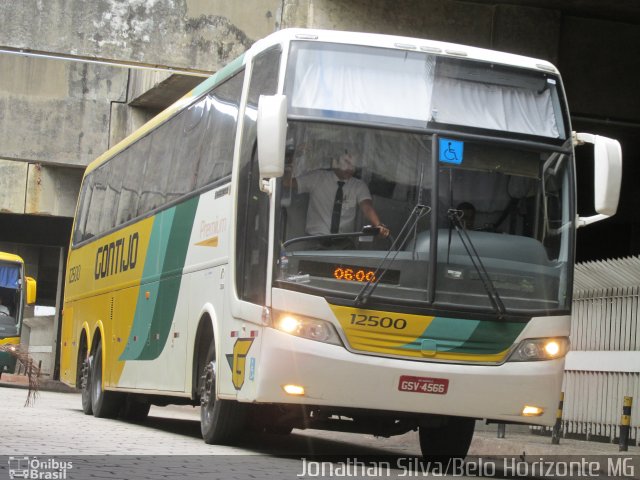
point(333, 197)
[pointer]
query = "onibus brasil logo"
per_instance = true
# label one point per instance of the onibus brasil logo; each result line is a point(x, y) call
point(36, 468)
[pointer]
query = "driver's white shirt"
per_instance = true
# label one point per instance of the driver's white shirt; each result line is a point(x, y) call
point(4, 310)
point(322, 186)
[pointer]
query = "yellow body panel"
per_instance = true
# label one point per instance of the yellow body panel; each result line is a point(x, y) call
point(10, 257)
point(377, 332)
point(102, 288)
point(10, 341)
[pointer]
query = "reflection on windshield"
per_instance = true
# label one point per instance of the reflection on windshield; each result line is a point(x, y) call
point(9, 299)
point(339, 180)
point(513, 204)
point(512, 207)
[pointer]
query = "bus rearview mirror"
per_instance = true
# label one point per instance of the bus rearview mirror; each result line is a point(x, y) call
point(607, 155)
point(272, 133)
point(31, 290)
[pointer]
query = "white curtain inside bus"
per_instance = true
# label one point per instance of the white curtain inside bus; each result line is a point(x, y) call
point(420, 87)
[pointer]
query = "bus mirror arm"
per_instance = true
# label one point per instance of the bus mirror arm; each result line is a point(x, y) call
point(266, 186)
point(607, 155)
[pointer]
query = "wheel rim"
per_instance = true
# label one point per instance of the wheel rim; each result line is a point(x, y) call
point(96, 383)
point(208, 392)
point(84, 378)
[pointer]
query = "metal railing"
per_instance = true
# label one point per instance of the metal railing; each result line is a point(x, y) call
point(604, 365)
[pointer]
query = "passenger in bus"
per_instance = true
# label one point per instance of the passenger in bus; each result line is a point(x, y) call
point(4, 310)
point(468, 215)
point(334, 196)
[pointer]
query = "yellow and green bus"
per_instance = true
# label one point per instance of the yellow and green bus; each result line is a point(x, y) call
point(16, 291)
point(194, 276)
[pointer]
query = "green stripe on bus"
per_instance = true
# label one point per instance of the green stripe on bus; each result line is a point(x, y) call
point(455, 335)
point(497, 336)
point(171, 278)
point(218, 77)
point(139, 334)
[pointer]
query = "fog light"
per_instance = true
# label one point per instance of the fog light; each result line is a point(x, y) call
point(531, 411)
point(294, 390)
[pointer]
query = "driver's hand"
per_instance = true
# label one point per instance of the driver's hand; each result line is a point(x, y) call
point(383, 230)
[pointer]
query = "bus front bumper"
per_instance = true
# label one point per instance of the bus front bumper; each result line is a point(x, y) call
point(332, 376)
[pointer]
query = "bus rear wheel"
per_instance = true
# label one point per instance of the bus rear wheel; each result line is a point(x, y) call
point(450, 440)
point(85, 385)
point(104, 404)
point(221, 421)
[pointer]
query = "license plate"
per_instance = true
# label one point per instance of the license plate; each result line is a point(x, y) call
point(436, 386)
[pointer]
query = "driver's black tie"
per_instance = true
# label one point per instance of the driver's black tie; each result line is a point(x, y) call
point(337, 209)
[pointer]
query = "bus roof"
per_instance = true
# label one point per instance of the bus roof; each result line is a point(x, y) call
point(10, 257)
point(333, 36)
point(404, 43)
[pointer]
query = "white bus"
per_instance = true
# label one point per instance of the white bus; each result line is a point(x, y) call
point(197, 272)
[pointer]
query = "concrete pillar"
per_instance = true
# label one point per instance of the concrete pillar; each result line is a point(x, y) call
point(52, 190)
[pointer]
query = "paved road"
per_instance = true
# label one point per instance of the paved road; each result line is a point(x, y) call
point(167, 445)
point(55, 425)
point(54, 433)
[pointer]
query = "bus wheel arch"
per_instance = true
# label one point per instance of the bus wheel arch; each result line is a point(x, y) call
point(221, 421)
point(104, 403)
point(203, 339)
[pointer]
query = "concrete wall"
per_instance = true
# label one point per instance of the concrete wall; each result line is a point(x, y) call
point(39, 336)
point(54, 111)
point(191, 34)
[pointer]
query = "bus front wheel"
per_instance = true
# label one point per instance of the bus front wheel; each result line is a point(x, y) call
point(104, 404)
point(450, 439)
point(221, 421)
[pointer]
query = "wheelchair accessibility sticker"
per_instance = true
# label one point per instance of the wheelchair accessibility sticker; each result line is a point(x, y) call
point(451, 151)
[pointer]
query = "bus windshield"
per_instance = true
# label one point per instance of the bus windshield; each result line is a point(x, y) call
point(417, 89)
point(477, 224)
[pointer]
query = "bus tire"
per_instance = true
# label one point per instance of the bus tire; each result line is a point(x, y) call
point(448, 441)
point(104, 404)
point(221, 421)
point(85, 385)
point(134, 409)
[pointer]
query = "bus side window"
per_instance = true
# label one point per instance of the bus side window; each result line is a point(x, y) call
point(218, 143)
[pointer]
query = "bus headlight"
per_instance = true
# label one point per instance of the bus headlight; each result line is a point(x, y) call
point(534, 349)
point(306, 327)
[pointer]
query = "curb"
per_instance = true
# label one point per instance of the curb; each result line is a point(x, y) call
point(44, 384)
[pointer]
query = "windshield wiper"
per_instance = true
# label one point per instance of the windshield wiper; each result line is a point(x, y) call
point(398, 244)
point(494, 297)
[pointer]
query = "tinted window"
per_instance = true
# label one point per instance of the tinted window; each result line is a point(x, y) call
point(222, 106)
point(189, 151)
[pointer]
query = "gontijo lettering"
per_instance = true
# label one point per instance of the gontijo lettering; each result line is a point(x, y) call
point(116, 257)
